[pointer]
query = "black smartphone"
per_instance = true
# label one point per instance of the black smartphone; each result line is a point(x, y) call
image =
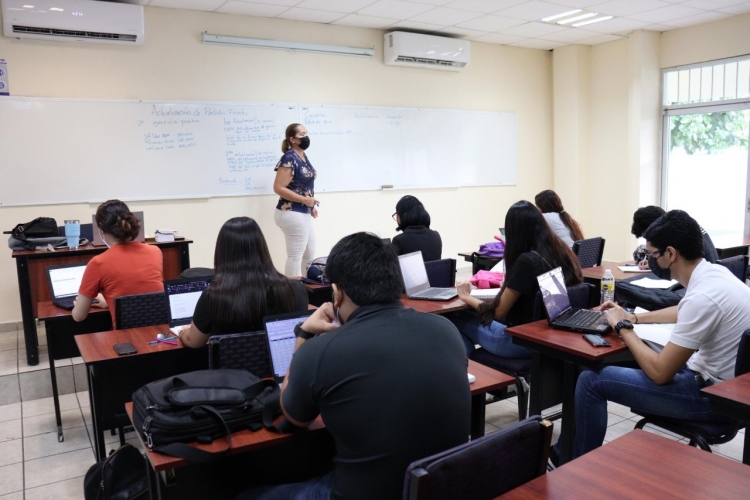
point(123, 349)
point(596, 340)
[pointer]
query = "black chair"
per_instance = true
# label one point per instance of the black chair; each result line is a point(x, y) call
point(479, 263)
point(583, 295)
point(145, 309)
point(246, 351)
point(483, 468)
point(197, 272)
point(589, 251)
point(737, 265)
point(441, 273)
point(704, 434)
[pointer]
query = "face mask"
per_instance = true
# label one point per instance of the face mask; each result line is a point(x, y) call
point(304, 143)
point(102, 237)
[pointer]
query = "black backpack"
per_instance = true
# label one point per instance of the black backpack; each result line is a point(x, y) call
point(202, 406)
point(121, 476)
point(41, 227)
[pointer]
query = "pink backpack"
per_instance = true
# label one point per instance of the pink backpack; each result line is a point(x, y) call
point(487, 279)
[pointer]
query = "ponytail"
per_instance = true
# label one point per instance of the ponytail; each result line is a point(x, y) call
point(285, 146)
point(291, 131)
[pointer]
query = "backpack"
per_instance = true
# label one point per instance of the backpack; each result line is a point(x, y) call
point(121, 476)
point(41, 227)
point(316, 270)
point(202, 406)
point(494, 249)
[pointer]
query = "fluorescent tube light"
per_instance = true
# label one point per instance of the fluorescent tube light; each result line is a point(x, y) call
point(260, 43)
point(558, 16)
point(592, 21)
point(578, 18)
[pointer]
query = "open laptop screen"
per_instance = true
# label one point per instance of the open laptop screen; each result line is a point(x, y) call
point(554, 294)
point(413, 271)
point(66, 280)
point(183, 296)
point(281, 339)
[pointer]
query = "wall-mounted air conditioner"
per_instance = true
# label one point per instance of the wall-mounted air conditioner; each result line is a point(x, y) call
point(426, 51)
point(74, 20)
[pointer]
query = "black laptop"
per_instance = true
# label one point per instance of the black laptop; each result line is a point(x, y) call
point(64, 282)
point(281, 340)
point(559, 312)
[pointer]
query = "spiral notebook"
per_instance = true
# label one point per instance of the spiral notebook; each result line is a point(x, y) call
point(487, 295)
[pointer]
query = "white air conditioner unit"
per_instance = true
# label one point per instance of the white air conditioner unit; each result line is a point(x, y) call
point(74, 20)
point(426, 51)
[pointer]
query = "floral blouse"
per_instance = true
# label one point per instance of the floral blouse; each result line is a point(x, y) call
point(303, 181)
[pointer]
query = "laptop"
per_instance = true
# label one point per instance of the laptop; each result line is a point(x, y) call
point(559, 313)
point(417, 283)
point(182, 296)
point(281, 339)
point(99, 242)
point(64, 283)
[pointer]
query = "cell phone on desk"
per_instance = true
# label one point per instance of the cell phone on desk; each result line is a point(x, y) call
point(124, 349)
point(596, 340)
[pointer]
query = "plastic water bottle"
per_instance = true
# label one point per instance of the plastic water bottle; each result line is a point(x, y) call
point(608, 287)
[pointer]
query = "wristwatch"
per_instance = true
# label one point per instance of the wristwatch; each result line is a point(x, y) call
point(623, 324)
point(299, 332)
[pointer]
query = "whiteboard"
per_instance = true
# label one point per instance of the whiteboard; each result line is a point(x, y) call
point(83, 150)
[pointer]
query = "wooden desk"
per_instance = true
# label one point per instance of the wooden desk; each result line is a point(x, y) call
point(594, 274)
point(556, 350)
point(33, 286)
point(113, 378)
point(641, 465)
point(434, 306)
point(245, 440)
point(732, 398)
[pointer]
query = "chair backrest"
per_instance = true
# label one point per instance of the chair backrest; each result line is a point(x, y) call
point(441, 273)
point(483, 468)
point(742, 365)
point(737, 265)
point(145, 309)
point(197, 272)
point(582, 295)
point(589, 251)
point(247, 351)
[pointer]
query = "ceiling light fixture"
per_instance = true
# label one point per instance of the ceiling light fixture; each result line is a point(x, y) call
point(260, 43)
point(577, 18)
point(592, 21)
point(559, 16)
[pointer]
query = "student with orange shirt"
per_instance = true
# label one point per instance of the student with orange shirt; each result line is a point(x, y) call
point(127, 268)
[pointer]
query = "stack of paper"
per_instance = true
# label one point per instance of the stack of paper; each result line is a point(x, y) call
point(633, 269)
point(654, 332)
point(487, 295)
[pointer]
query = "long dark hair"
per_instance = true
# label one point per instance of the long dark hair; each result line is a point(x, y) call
point(412, 213)
point(115, 218)
point(527, 231)
point(245, 278)
point(548, 201)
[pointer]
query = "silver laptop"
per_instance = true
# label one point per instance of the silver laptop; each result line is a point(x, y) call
point(559, 312)
point(281, 339)
point(416, 282)
point(64, 282)
point(99, 242)
point(182, 296)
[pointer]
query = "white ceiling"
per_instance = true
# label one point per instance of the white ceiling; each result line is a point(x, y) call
point(506, 22)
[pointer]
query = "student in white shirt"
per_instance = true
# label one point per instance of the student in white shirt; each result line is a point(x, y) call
point(702, 350)
point(559, 220)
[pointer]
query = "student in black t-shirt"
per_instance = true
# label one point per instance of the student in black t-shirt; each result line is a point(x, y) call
point(531, 249)
point(247, 287)
point(414, 221)
point(389, 382)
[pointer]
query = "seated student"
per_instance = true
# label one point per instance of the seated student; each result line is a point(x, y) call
point(532, 249)
point(558, 219)
point(127, 268)
point(642, 219)
point(389, 382)
point(246, 288)
point(701, 351)
point(414, 221)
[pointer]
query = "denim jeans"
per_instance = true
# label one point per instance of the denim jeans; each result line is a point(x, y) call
point(681, 398)
point(314, 489)
point(492, 338)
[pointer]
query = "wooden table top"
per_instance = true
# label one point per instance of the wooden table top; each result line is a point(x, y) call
point(571, 342)
point(641, 465)
point(597, 272)
point(736, 389)
point(434, 306)
point(47, 310)
point(97, 347)
point(246, 440)
point(84, 249)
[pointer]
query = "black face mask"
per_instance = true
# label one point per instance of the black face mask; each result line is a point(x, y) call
point(304, 143)
point(657, 269)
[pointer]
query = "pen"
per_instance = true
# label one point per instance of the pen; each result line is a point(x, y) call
point(155, 341)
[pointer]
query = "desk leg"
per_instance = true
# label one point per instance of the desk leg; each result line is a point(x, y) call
point(746, 450)
point(568, 428)
point(184, 256)
point(477, 416)
point(96, 412)
point(27, 312)
point(49, 329)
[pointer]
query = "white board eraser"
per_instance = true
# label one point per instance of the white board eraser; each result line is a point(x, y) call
point(386, 186)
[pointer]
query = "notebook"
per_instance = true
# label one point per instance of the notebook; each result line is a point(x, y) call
point(64, 283)
point(99, 242)
point(182, 296)
point(416, 282)
point(559, 312)
point(281, 339)
point(487, 294)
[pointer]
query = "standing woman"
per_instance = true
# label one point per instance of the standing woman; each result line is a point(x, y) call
point(297, 207)
point(127, 268)
point(558, 219)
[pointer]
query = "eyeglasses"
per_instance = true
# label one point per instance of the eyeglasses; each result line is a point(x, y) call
point(395, 214)
point(654, 254)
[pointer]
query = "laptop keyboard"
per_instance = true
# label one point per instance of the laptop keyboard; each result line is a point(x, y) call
point(433, 292)
point(584, 318)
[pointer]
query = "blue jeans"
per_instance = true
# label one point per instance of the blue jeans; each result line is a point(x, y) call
point(681, 398)
point(314, 489)
point(492, 338)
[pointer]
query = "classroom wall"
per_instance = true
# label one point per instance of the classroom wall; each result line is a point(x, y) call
point(174, 64)
point(706, 42)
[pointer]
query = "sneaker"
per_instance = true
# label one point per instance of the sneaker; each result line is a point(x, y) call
point(553, 462)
